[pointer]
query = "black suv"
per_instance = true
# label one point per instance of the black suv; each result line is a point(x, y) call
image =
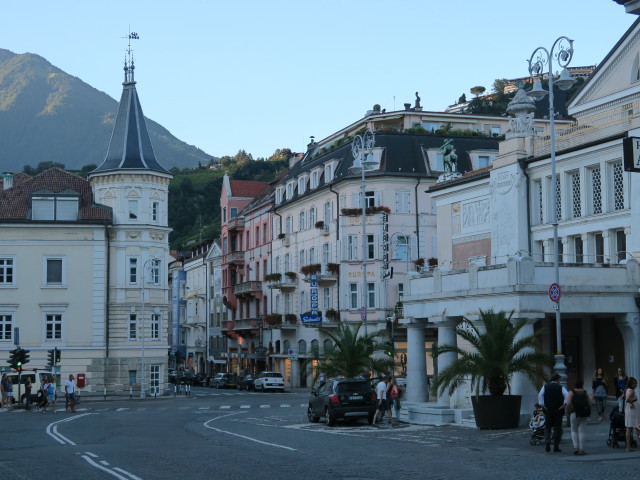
point(342, 398)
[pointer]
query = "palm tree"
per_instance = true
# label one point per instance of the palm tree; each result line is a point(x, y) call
point(495, 356)
point(351, 355)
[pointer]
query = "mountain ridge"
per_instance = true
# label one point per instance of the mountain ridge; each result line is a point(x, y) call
point(48, 115)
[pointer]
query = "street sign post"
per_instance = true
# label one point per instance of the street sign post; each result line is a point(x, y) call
point(554, 292)
point(363, 313)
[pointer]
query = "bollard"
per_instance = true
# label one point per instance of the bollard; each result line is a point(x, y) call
point(130, 392)
point(105, 392)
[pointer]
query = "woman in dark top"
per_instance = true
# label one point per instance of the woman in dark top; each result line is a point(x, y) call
point(599, 388)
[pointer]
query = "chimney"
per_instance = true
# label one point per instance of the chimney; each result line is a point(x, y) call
point(7, 180)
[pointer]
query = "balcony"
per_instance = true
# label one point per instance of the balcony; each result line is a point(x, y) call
point(253, 287)
point(325, 273)
point(282, 282)
point(236, 223)
point(236, 258)
point(244, 324)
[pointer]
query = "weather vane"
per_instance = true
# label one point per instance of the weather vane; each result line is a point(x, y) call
point(128, 60)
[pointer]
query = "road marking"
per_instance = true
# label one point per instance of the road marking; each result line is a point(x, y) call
point(206, 424)
point(114, 472)
point(265, 406)
point(52, 430)
point(122, 409)
point(284, 405)
point(225, 407)
point(245, 406)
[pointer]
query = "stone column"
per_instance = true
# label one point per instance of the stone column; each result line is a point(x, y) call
point(416, 363)
point(629, 325)
point(446, 335)
point(295, 374)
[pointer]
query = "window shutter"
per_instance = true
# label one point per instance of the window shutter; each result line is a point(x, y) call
point(67, 209)
point(414, 247)
point(42, 209)
point(377, 197)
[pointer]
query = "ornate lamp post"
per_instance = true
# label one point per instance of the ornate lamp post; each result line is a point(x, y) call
point(540, 58)
point(361, 149)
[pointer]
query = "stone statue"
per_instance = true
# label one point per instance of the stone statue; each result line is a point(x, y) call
point(417, 106)
point(449, 157)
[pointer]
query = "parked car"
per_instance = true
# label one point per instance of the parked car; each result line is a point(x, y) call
point(342, 399)
point(224, 380)
point(269, 381)
point(246, 383)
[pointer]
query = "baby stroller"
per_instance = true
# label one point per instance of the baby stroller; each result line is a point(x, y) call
point(41, 401)
point(536, 424)
point(617, 429)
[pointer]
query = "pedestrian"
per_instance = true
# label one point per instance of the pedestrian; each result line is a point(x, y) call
point(553, 398)
point(599, 388)
point(389, 399)
point(381, 396)
point(620, 383)
point(27, 393)
point(70, 394)
point(42, 396)
point(6, 386)
point(631, 417)
point(396, 395)
point(579, 405)
point(50, 388)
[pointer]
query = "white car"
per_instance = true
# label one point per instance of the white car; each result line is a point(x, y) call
point(269, 381)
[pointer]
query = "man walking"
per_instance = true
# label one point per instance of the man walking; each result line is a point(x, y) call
point(381, 395)
point(70, 394)
point(553, 398)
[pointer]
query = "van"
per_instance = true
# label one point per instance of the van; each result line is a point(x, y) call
point(36, 376)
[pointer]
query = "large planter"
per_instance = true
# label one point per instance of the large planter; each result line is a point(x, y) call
point(496, 411)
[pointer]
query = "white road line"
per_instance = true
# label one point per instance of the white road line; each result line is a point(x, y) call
point(121, 409)
point(225, 407)
point(109, 471)
point(265, 406)
point(206, 424)
point(284, 405)
point(130, 475)
point(52, 430)
point(245, 406)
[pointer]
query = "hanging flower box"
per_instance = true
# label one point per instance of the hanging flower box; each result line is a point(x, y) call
point(291, 275)
point(319, 225)
point(290, 318)
point(273, 277)
point(332, 314)
point(333, 268)
point(311, 269)
point(352, 212)
point(274, 319)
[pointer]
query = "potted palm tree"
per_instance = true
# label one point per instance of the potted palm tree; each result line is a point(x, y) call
point(497, 353)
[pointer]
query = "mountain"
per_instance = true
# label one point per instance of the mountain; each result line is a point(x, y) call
point(49, 115)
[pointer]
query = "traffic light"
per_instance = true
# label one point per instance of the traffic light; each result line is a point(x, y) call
point(13, 358)
point(25, 356)
point(57, 356)
point(51, 357)
point(389, 348)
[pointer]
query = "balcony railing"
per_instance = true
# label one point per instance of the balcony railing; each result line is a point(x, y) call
point(244, 288)
point(234, 257)
point(245, 324)
point(588, 129)
point(235, 223)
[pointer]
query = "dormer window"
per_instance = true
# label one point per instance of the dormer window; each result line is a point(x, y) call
point(55, 207)
point(279, 195)
point(290, 188)
point(302, 183)
point(436, 160)
point(328, 172)
point(314, 179)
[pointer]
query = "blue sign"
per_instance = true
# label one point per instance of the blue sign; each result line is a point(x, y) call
point(310, 318)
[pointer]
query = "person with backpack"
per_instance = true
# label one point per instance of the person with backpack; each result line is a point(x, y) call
point(553, 398)
point(579, 404)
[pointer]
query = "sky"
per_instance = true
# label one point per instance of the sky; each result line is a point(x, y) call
point(259, 75)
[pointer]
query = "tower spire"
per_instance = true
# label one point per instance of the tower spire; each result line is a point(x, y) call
point(129, 66)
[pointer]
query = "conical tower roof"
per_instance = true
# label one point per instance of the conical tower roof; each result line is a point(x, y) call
point(130, 146)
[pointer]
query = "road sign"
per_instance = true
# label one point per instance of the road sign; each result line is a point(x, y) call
point(363, 313)
point(554, 292)
point(293, 354)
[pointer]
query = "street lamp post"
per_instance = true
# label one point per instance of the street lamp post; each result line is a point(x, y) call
point(361, 149)
point(539, 58)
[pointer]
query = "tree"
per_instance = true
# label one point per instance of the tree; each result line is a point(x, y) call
point(499, 84)
point(351, 355)
point(496, 354)
point(478, 90)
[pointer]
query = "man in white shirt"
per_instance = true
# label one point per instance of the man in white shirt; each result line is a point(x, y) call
point(553, 398)
point(381, 395)
point(70, 394)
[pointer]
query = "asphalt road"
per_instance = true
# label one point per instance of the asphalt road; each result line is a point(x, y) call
point(246, 435)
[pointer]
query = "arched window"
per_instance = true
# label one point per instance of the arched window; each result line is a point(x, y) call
point(314, 345)
point(285, 346)
point(302, 346)
point(277, 346)
point(327, 345)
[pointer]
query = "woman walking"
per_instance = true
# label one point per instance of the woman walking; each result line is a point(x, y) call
point(631, 412)
point(580, 407)
point(599, 388)
point(620, 383)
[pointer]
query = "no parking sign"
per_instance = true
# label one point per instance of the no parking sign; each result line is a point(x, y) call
point(554, 292)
